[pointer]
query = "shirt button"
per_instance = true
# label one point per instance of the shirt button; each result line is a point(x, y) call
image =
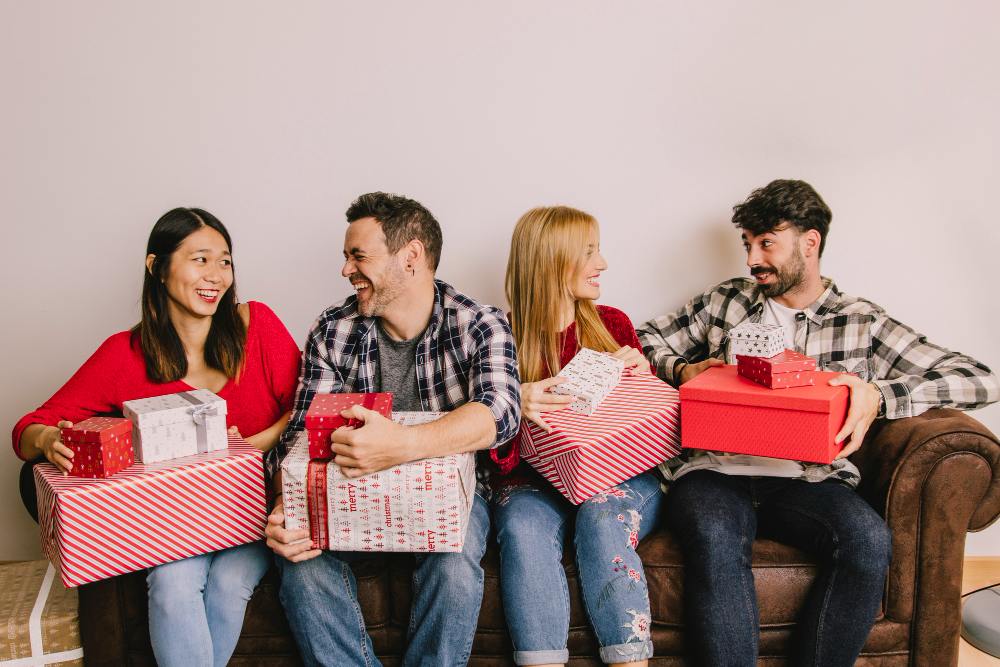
point(800, 316)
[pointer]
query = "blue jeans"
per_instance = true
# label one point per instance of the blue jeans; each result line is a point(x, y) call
point(196, 605)
point(715, 518)
point(320, 597)
point(532, 522)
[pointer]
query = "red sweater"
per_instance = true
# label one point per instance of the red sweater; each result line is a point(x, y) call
point(620, 327)
point(116, 373)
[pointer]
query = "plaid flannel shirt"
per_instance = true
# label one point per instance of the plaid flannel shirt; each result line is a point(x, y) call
point(843, 333)
point(466, 354)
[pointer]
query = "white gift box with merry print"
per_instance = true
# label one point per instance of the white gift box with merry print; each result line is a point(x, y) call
point(176, 425)
point(420, 506)
point(590, 377)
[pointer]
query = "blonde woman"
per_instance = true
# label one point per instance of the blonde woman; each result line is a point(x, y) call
point(552, 282)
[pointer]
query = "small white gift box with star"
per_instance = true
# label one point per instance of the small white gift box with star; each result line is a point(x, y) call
point(752, 339)
point(590, 377)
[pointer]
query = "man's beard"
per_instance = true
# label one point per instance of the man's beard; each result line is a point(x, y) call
point(388, 289)
point(787, 277)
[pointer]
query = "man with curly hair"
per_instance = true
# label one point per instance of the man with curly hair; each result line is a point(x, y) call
point(718, 503)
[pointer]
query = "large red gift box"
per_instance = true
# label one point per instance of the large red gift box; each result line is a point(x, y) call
point(150, 514)
point(323, 417)
point(635, 428)
point(722, 411)
point(101, 446)
point(782, 371)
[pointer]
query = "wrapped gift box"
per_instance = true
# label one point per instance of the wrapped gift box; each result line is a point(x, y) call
point(101, 446)
point(636, 428)
point(757, 340)
point(784, 370)
point(323, 417)
point(175, 425)
point(150, 514)
point(722, 411)
point(41, 616)
point(418, 506)
point(590, 377)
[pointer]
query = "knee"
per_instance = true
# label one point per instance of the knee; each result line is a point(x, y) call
point(521, 535)
point(867, 549)
point(308, 574)
point(460, 573)
point(235, 582)
point(173, 585)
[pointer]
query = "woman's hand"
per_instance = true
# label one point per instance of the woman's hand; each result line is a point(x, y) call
point(635, 361)
point(536, 399)
point(51, 445)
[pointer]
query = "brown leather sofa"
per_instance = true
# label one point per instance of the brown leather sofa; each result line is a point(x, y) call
point(933, 477)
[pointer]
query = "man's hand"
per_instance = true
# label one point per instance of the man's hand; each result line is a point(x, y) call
point(536, 399)
point(375, 445)
point(635, 362)
point(863, 410)
point(294, 545)
point(691, 371)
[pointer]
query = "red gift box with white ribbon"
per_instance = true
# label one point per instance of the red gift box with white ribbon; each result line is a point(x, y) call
point(101, 446)
point(635, 428)
point(782, 371)
point(723, 411)
point(323, 417)
point(150, 514)
point(420, 506)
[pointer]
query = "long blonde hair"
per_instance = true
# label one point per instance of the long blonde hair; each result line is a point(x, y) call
point(546, 252)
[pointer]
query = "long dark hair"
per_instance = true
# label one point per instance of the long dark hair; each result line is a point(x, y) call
point(166, 360)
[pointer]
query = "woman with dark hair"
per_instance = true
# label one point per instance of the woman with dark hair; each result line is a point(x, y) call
point(193, 334)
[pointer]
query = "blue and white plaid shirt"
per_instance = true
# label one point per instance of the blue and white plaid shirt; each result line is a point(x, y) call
point(466, 355)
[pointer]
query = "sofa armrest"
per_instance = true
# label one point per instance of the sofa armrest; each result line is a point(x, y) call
point(933, 477)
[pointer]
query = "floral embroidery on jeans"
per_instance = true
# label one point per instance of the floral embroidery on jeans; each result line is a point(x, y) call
point(613, 492)
point(639, 625)
point(632, 519)
point(625, 574)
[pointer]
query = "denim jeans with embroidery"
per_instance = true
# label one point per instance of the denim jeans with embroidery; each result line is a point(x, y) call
point(320, 597)
point(715, 518)
point(532, 522)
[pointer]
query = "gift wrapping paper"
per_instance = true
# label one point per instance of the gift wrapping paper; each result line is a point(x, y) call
point(786, 369)
point(757, 340)
point(101, 446)
point(43, 626)
point(723, 411)
point(590, 377)
point(635, 428)
point(421, 506)
point(323, 417)
point(175, 425)
point(150, 514)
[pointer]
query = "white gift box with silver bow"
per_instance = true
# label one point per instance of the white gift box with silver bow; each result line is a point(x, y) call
point(757, 340)
point(176, 425)
point(590, 377)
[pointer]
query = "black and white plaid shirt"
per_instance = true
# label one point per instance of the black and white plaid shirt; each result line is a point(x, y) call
point(466, 355)
point(842, 333)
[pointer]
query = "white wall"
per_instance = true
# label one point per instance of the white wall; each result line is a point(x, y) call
point(654, 116)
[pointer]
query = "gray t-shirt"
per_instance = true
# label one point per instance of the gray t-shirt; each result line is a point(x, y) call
point(397, 370)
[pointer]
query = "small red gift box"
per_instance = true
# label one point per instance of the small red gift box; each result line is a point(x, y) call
point(784, 370)
point(635, 428)
point(722, 411)
point(323, 417)
point(101, 446)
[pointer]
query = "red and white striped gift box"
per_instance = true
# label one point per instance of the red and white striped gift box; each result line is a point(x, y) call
point(634, 429)
point(150, 514)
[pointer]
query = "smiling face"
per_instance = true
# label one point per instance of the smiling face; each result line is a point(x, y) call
point(377, 276)
point(585, 283)
point(776, 259)
point(200, 273)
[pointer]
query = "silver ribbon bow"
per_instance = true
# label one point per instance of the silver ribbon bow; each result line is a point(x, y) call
point(199, 412)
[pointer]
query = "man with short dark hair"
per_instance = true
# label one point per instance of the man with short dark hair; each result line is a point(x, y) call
point(435, 349)
point(718, 503)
